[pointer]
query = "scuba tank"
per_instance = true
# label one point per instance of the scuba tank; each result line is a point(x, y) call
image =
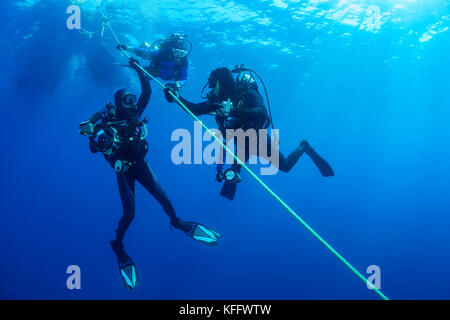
point(245, 79)
point(178, 40)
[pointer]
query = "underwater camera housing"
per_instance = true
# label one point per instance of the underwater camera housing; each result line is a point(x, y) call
point(229, 176)
point(106, 139)
point(245, 78)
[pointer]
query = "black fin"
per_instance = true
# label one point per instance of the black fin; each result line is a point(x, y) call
point(228, 190)
point(323, 166)
point(127, 268)
point(203, 234)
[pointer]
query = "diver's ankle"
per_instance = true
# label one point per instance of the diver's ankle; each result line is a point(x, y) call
point(176, 222)
point(179, 224)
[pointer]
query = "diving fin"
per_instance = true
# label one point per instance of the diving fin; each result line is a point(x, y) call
point(127, 268)
point(202, 234)
point(228, 190)
point(323, 166)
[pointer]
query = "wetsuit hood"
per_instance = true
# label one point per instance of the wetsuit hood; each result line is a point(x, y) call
point(121, 111)
point(227, 85)
point(118, 97)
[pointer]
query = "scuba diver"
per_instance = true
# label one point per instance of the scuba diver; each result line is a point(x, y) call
point(118, 132)
point(238, 104)
point(168, 58)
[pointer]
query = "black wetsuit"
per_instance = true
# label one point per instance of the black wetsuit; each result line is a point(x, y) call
point(133, 153)
point(250, 113)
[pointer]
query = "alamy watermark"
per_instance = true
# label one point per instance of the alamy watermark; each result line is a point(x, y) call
point(374, 279)
point(73, 282)
point(250, 144)
point(74, 20)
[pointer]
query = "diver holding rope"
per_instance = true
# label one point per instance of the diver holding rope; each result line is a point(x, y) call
point(237, 103)
point(168, 58)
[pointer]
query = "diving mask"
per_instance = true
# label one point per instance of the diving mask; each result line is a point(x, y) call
point(129, 100)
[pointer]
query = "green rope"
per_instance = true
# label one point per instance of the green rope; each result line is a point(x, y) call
point(273, 194)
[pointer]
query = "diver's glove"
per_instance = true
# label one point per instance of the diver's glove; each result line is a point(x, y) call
point(134, 64)
point(173, 86)
point(225, 108)
point(121, 47)
point(170, 88)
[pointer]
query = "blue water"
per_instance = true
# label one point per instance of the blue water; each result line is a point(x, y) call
point(366, 82)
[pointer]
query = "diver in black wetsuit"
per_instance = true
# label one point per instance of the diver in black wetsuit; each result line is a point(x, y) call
point(119, 134)
point(246, 111)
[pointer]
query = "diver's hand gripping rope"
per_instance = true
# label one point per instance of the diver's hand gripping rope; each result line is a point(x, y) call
point(273, 194)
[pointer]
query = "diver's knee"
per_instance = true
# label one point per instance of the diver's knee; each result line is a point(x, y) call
point(284, 167)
